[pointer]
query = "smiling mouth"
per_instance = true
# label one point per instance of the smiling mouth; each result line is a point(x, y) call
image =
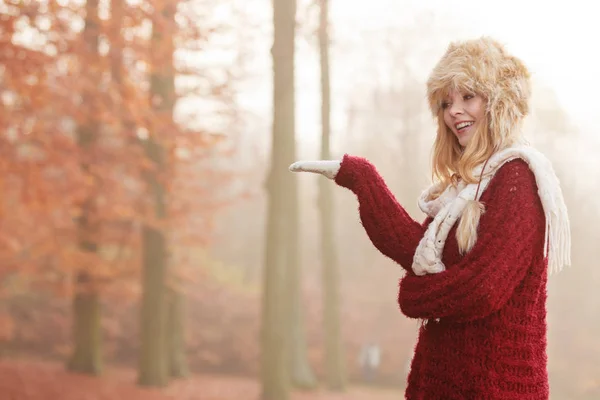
point(463, 126)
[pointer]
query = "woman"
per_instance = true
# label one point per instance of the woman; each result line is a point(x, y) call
point(477, 267)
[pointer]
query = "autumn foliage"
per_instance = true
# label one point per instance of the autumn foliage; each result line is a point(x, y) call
point(75, 115)
point(86, 135)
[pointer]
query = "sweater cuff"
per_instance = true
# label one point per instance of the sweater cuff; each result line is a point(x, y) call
point(349, 171)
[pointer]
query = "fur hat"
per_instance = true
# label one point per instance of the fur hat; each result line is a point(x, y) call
point(482, 66)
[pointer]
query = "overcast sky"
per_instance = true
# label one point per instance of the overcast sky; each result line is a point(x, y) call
point(557, 40)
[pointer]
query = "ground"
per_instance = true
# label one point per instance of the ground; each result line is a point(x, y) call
point(34, 380)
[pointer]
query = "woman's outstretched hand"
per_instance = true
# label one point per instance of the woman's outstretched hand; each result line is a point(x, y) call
point(328, 168)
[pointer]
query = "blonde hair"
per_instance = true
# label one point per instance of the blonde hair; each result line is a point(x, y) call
point(451, 161)
point(482, 67)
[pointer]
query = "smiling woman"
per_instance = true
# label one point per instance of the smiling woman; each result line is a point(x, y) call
point(476, 280)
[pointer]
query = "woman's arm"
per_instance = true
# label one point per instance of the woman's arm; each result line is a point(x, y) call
point(389, 227)
point(511, 236)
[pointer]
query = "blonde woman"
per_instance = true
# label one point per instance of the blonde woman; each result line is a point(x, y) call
point(496, 225)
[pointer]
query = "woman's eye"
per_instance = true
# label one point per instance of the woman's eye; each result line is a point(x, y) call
point(445, 105)
point(468, 97)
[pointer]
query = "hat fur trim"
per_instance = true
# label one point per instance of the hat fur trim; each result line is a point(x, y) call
point(482, 66)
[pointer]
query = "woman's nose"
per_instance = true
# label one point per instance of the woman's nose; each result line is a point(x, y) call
point(456, 108)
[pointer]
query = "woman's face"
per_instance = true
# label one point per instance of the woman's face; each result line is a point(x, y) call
point(462, 114)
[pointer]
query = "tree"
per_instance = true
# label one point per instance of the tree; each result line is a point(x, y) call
point(275, 358)
point(334, 356)
point(301, 373)
point(87, 333)
point(153, 366)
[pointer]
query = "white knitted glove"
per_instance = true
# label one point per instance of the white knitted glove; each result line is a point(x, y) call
point(328, 168)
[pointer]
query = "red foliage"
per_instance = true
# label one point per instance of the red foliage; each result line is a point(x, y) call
point(74, 116)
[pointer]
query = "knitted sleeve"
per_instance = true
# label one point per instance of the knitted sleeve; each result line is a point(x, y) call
point(510, 236)
point(389, 227)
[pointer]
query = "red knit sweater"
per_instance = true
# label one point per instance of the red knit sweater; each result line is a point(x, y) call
point(485, 336)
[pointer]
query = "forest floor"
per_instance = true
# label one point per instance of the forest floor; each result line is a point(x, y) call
point(35, 380)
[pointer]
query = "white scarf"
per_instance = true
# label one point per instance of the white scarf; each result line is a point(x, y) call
point(449, 206)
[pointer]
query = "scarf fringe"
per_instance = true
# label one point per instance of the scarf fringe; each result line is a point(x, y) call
point(558, 242)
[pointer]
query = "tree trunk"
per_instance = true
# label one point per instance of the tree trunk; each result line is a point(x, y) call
point(154, 357)
point(87, 333)
point(274, 371)
point(178, 367)
point(275, 310)
point(153, 349)
point(87, 330)
point(334, 357)
point(301, 373)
